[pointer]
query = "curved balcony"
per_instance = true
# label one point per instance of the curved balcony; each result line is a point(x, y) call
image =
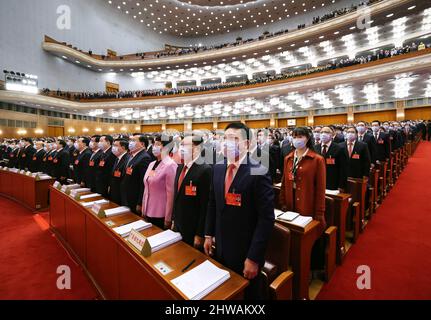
point(257, 48)
point(414, 62)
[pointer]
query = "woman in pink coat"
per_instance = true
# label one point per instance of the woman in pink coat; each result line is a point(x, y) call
point(159, 181)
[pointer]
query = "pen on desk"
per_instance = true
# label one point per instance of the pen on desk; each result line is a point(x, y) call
point(280, 214)
point(188, 266)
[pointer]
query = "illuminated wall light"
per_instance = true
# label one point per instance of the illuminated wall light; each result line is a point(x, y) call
point(371, 91)
point(38, 131)
point(71, 130)
point(22, 132)
point(111, 129)
point(372, 35)
point(123, 129)
point(98, 129)
point(399, 30)
point(85, 130)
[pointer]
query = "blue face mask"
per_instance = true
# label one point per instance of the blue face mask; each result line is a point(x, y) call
point(231, 149)
point(132, 145)
point(351, 136)
point(299, 143)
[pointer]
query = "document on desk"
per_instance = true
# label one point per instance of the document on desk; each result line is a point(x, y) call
point(75, 192)
point(43, 177)
point(301, 221)
point(278, 185)
point(285, 216)
point(89, 196)
point(125, 230)
point(332, 192)
point(116, 211)
point(201, 280)
point(163, 239)
point(91, 203)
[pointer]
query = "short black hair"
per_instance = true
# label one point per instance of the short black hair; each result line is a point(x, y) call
point(28, 140)
point(150, 139)
point(124, 143)
point(142, 139)
point(96, 137)
point(377, 122)
point(62, 143)
point(86, 141)
point(72, 139)
point(245, 131)
point(109, 139)
point(352, 127)
point(164, 139)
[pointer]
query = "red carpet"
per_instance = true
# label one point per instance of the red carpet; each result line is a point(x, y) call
point(29, 257)
point(396, 244)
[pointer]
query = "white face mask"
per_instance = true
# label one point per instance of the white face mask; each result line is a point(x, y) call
point(116, 151)
point(92, 144)
point(157, 151)
point(76, 145)
point(103, 145)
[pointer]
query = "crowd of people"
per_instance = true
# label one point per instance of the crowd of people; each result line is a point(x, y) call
point(208, 185)
point(179, 51)
point(342, 63)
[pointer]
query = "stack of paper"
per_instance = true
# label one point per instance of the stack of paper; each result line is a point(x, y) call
point(14, 170)
point(301, 221)
point(201, 281)
point(125, 230)
point(278, 185)
point(75, 192)
point(285, 216)
point(116, 211)
point(332, 192)
point(90, 203)
point(43, 177)
point(88, 196)
point(163, 239)
point(68, 188)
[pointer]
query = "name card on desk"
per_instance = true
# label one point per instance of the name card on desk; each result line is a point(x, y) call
point(332, 192)
point(112, 212)
point(96, 208)
point(88, 196)
point(57, 185)
point(28, 173)
point(90, 204)
point(140, 243)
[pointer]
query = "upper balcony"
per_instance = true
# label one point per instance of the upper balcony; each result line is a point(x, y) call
point(331, 29)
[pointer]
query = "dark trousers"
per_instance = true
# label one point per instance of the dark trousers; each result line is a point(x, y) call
point(158, 222)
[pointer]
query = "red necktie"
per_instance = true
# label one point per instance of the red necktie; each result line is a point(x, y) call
point(181, 178)
point(229, 178)
point(350, 149)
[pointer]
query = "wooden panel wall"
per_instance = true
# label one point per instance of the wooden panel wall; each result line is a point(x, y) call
point(55, 131)
point(423, 113)
point(151, 128)
point(332, 119)
point(256, 124)
point(175, 126)
point(203, 126)
point(389, 115)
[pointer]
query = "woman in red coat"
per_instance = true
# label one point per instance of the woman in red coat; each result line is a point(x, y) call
point(304, 182)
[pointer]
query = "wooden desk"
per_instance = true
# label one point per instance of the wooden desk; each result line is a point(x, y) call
point(118, 270)
point(29, 192)
point(302, 241)
point(341, 207)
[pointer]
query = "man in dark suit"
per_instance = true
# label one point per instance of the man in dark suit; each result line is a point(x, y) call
point(47, 158)
point(80, 166)
point(106, 163)
point(120, 151)
point(150, 147)
point(37, 159)
point(13, 155)
point(258, 154)
point(286, 148)
point(339, 137)
point(382, 142)
point(359, 162)
point(132, 186)
point(27, 153)
point(335, 160)
point(93, 163)
point(240, 211)
point(60, 163)
point(266, 143)
point(367, 137)
point(192, 186)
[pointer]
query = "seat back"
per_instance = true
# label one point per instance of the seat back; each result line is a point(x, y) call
point(329, 211)
point(278, 251)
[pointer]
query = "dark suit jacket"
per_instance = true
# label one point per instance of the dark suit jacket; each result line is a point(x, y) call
point(241, 232)
point(132, 186)
point(382, 147)
point(80, 166)
point(336, 166)
point(369, 139)
point(286, 148)
point(115, 182)
point(60, 165)
point(93, 164)
point(104, 172)
point(339, 138)
point(357, 168)
point(150, 152)
point(13, 158)
point(189, 212)
point(36, 161)
point(25, 157)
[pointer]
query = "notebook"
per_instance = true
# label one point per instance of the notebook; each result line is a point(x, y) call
point(116, 211)
point(88, 196)
point(332, 192)
point(125, 230)
point(163, 239)
point(301, 221)
point(285, 216)
point(201, 280)
point(90, 203)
